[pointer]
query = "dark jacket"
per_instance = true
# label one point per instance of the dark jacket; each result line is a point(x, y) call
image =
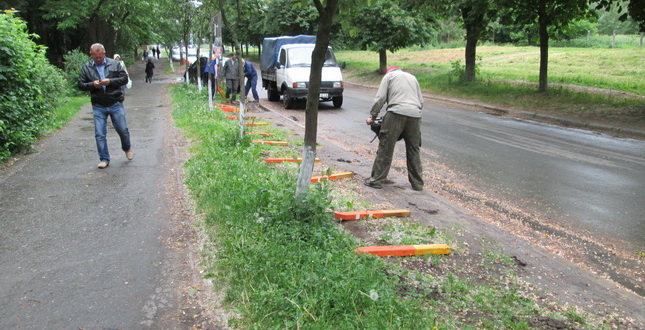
point(249, 70)
point(149, 68)
point(113, 93)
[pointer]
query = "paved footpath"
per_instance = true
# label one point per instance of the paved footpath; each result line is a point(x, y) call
point(85, 248)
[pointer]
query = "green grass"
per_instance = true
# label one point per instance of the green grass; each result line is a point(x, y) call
point(68, 107)
point(508, 77)
point(284, 263)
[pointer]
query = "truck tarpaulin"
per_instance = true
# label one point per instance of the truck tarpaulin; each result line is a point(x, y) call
point(269, 58)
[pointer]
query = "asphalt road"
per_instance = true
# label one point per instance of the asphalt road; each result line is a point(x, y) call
point(82, 247)
point(585, 182)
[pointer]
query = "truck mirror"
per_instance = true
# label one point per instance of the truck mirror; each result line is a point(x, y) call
point(278, 65)
point(342, 65)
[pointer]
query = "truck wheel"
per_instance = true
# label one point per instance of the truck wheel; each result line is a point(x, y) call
point(287, 100)
point(273, 95)
point(338, 101)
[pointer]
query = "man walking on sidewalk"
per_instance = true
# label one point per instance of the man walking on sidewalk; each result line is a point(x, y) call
point(401, 91)
point(103, 78)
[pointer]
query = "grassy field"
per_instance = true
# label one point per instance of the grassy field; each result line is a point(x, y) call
point(606, 85)
point(284, 263)
point(617, 69)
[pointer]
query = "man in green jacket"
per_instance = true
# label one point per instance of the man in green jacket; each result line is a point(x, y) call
point(401, 91)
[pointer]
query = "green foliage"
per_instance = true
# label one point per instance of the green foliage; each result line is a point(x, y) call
point(458, 71)
point(386, 26)
point(284, 261)
point(288, 17)
point(72, 68)
point(31, 87)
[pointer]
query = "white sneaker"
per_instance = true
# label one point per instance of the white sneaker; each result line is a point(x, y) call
point(129, 154)
point(103, 164)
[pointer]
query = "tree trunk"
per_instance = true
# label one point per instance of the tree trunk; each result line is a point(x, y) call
point(471, 55)
point(544, 47)
point(382, 61)
point(326, 15)
point(474, 16)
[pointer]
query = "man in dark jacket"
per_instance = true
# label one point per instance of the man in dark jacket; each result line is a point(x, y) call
point(103, 78)
point(251, 80)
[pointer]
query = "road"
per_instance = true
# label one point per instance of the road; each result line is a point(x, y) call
point(581, 181)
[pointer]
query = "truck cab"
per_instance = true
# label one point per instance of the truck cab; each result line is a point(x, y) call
point(288, 76)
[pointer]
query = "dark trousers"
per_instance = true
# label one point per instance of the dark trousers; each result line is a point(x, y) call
point(232, 88)
point(393, 127)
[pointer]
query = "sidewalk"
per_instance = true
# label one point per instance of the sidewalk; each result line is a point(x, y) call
point(82, 247)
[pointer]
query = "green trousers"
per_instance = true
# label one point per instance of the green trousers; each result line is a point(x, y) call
point(394, 127)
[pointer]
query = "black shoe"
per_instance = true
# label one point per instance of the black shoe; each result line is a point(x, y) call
point(368, 182)
point(417, 188)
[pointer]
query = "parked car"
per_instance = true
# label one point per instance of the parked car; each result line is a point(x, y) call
point(176, 53)
point(192, 54)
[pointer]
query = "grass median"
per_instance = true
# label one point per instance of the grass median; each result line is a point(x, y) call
point(285, 263)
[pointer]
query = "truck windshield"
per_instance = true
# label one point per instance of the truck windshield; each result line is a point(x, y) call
point(301, 57)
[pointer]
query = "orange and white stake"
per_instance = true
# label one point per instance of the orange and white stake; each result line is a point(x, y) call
point(274, 143)
point(334, 176)
point(405, 250)
point(238, 117)
point(290, 160)
point(259, 133)
point(355, 215)
point(256, 124)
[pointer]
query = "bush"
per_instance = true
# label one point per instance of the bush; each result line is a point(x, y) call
point(73, 64)
point(31, 87)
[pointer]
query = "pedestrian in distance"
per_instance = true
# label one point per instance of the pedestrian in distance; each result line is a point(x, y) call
point(231, 74)
point(150, 67)
point(158, 53)
point(145, 55)
point(103, 78)
point(251, 80)
point(402, 93)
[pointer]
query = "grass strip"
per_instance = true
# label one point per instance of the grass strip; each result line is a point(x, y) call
point(284, 263)
point(68, 108)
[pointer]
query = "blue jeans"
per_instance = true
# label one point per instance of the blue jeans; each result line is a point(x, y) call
point(117, 114)
point(251, 82)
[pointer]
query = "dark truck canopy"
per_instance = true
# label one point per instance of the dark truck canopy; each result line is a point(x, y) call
point(271, 48)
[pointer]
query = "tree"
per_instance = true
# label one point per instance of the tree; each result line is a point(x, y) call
point(289, 17)
point(326, 16)
point(546, 13)
point(634, 8)
point(386, 26)
point(476, 15)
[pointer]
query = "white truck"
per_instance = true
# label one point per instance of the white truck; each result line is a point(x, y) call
point(285, 63)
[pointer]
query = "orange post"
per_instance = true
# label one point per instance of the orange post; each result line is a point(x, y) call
point(404, 250)
point(238, 117)
point(291, 160)
point(256, 124)
point(259, 133)
point(335, 176)
point(355, 215)
point(275, 143)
